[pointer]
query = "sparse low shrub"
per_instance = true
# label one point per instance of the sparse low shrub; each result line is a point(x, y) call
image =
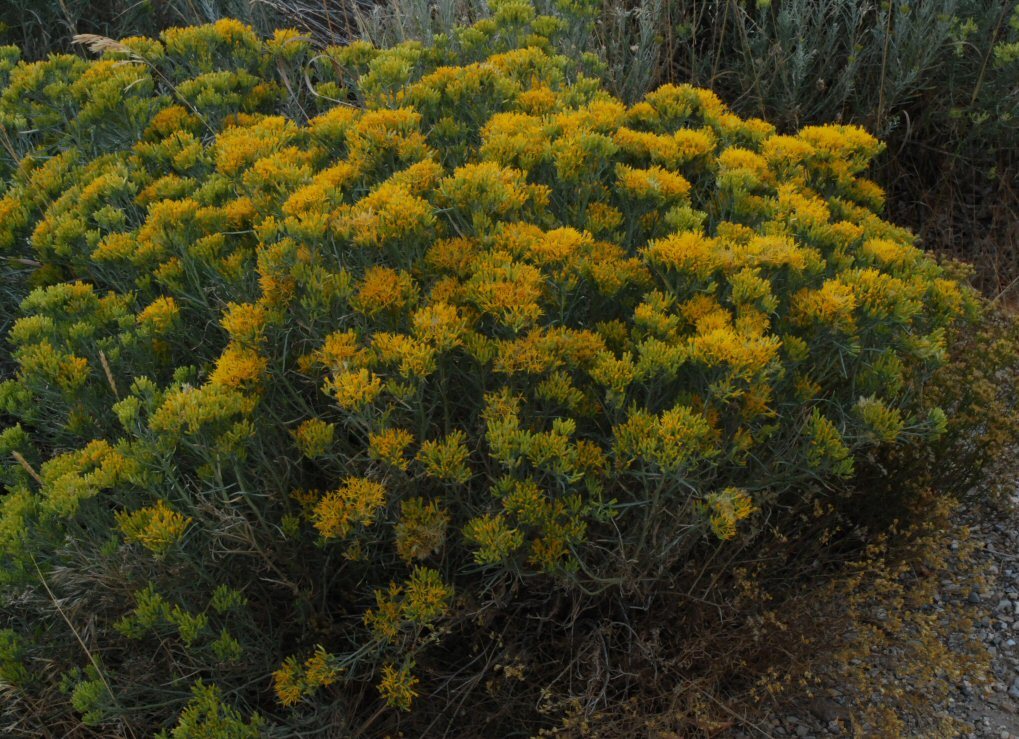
point(976, 390)
point(358, 388)
point(856, 630)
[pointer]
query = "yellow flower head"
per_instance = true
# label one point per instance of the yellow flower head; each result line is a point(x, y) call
point(239, 147)
point(160, 315)
point(833, 304)
point(560, 246)
point(414, 358)
point(238, 367)
point(384, 289)
point(726, 509)
point(890, 253)
point(354, 504)
point(389, 445)
point(447, 459)
point(689, 252)
point(514, 140)
point(314, 437)
point(494, 538)
point(157, 528)
point(340, 351)
point(736, 158)
point(452, 256)
point(354, 389)
point(245, 322)
point(426, 597)
point(484, 190)
point(390, 216)
point(506, 289)
point(603, 218)
point(654, 184)
point(440, 325)
point(294, 681)
point(287, 682)
point(397, 687)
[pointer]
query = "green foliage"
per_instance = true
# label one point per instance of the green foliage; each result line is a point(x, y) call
point(206, 717)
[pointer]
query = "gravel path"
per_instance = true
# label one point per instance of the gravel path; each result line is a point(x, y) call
point(985, 706)
point(995, 712)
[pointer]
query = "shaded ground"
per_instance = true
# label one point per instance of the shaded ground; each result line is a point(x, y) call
point(987, 707)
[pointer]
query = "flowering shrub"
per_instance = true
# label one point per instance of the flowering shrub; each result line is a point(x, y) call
point(334, 360)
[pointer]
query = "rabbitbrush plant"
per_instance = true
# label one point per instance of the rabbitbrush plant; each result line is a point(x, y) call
point(346, 382)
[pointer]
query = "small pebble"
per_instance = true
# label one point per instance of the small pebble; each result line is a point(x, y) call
point(1013, 689)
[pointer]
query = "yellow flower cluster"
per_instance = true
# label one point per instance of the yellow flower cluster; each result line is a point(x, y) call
point(446, 459)
point(245, 322)
point(238, 367)
point(73, 477)
point(485, 191)
point(671, 441)
point(388, 446)
point(725, 509)
point(314, 437)
point(397, 687)
point(413, 358)
point(506, 289)
point(657, 185)
point(160, 315)
point(354, 389)
point(157, 528)
point(827, 449)
point(42, 360)
point(420, 601)
point(440, 325)
point(354, 504)
point(670, 151)
point(383, 289)
point(388, 215)
point(495, 540)
point(294, 680)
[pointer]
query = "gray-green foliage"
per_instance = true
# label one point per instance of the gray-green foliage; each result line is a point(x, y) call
point(886, 65)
